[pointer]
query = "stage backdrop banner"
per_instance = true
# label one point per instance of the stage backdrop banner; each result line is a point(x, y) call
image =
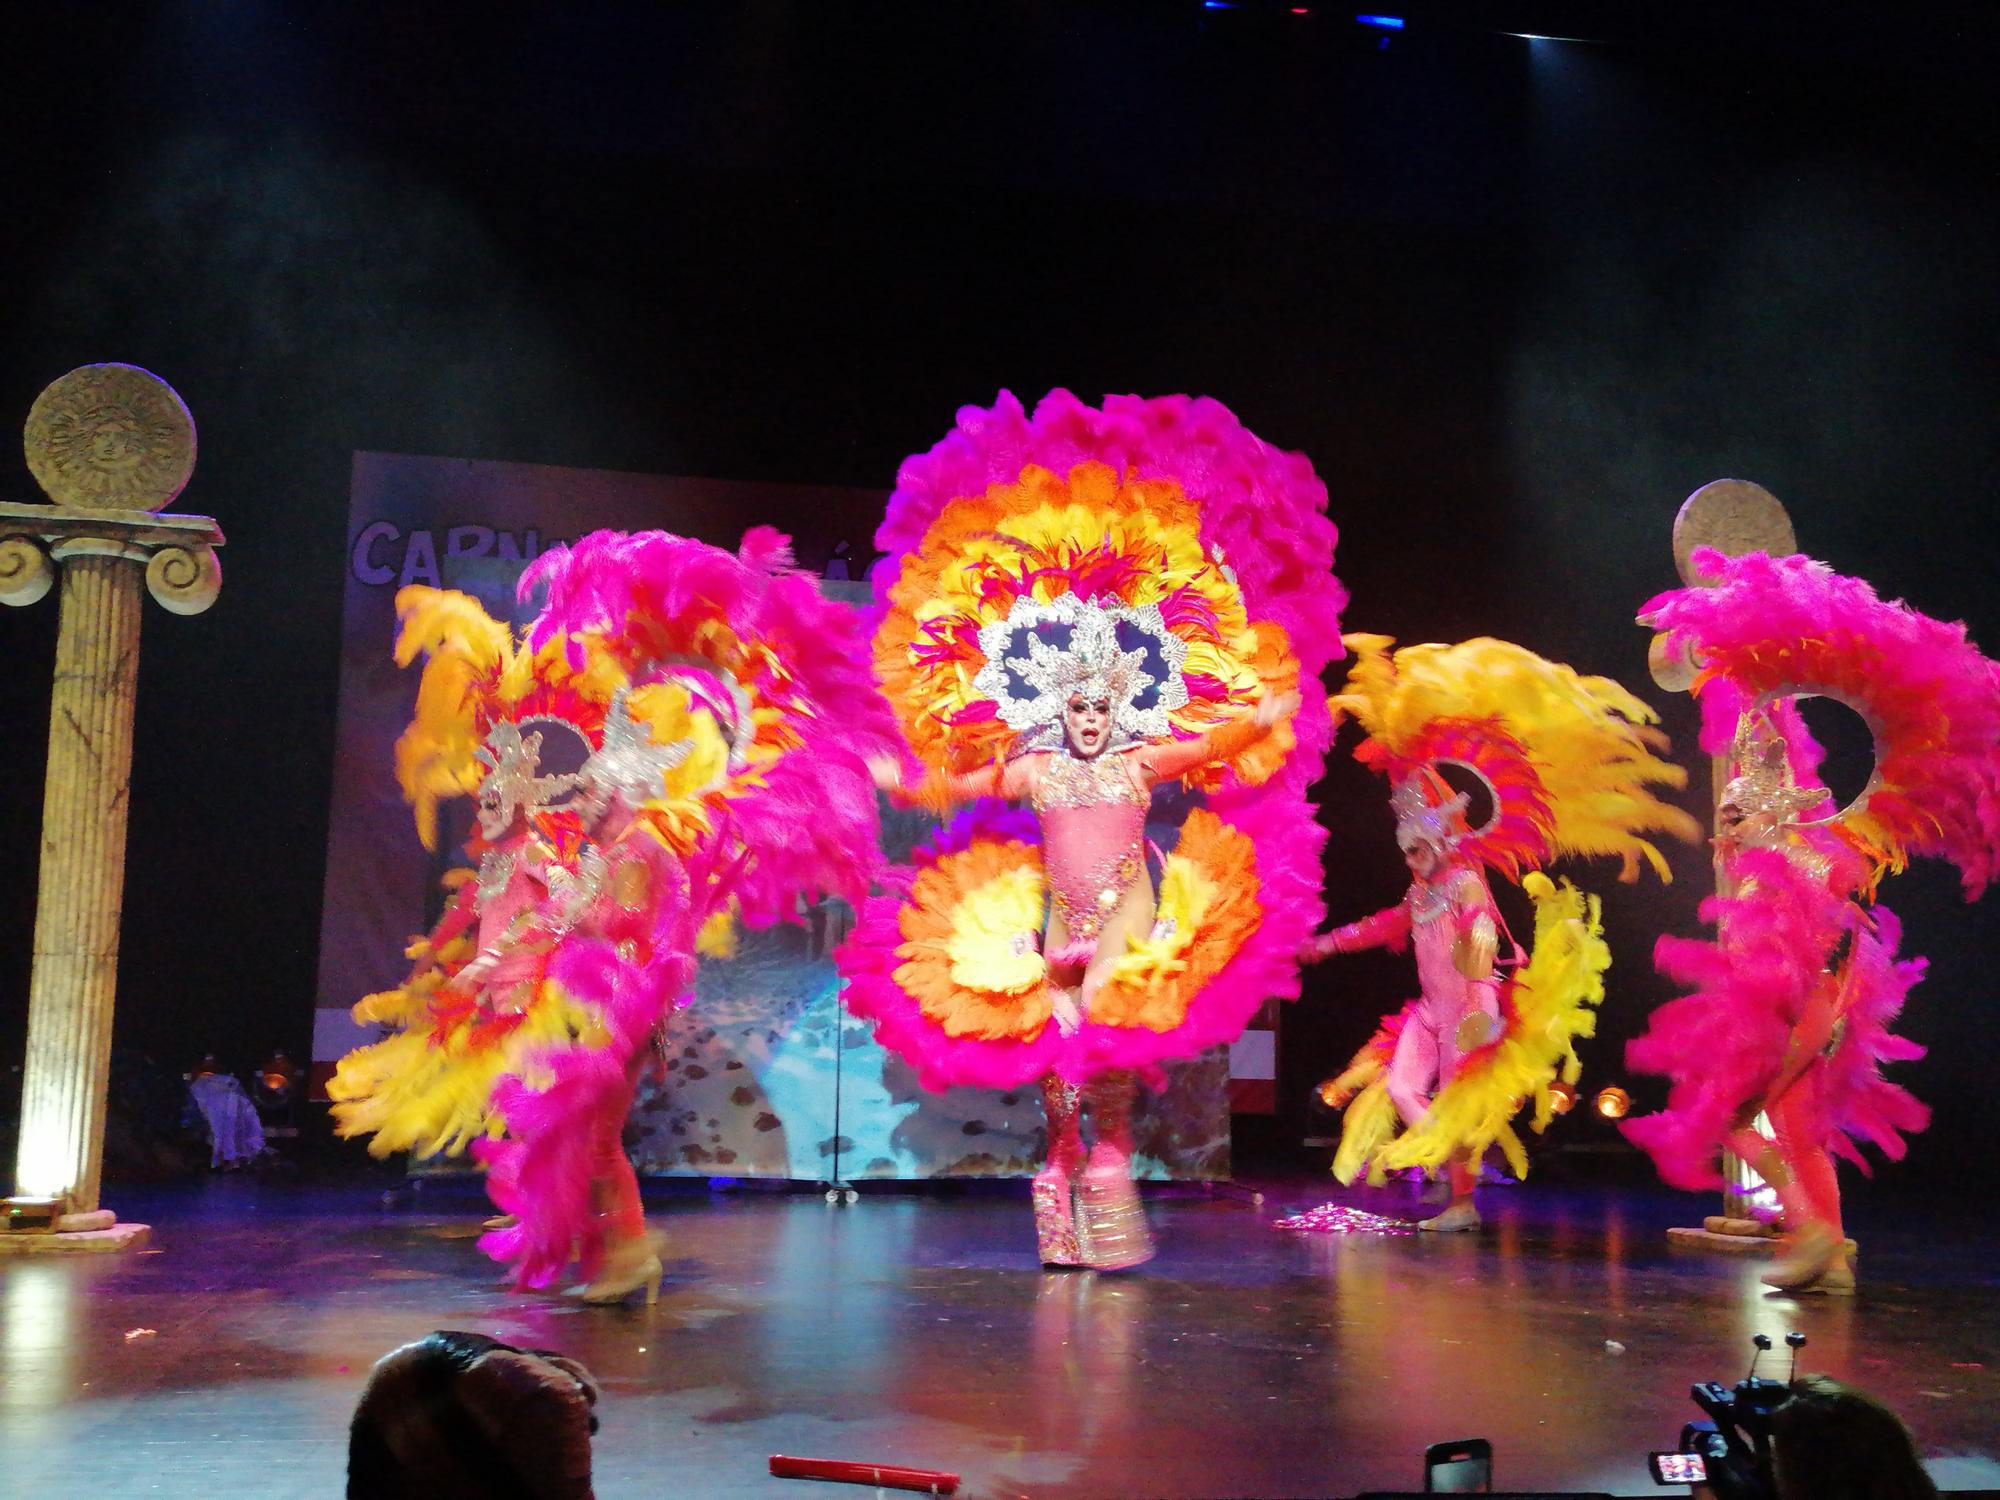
point(768, 1076)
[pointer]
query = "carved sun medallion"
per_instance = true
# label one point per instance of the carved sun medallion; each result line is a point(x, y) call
point(1733, 516)
point(110, 437)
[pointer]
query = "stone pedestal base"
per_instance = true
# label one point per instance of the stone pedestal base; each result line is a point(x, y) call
point(78, 1241)
point(1729, 1244)
point(1757, 1241)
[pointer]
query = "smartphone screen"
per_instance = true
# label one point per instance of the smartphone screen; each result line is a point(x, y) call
point(1679, 1468)
point(1472, 1475)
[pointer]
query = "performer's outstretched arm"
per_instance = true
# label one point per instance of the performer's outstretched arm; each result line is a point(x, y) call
point(507, 925)
point(1012, 780)
point(1178, 757)
point(1389, 928)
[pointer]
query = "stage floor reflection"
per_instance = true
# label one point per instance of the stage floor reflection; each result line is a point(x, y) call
point(914, 1328)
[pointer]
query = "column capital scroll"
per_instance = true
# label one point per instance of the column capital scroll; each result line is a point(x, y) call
point(176, 551)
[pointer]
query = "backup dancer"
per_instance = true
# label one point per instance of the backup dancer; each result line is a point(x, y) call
point(1569, 764)
point(1789, 1015)
point(725, 714)
point(1082, 605)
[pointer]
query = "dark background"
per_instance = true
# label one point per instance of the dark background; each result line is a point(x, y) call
point(1516, 298)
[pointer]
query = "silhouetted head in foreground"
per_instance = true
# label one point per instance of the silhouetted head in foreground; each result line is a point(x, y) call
point(459, 1416)
point(1830, 1442)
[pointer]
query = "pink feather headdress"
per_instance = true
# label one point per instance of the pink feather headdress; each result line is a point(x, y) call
point(1769, 628)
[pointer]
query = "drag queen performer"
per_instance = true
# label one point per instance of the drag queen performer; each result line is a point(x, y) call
point(720, 785)
point(1792, 1002)
point(1079, 606)
point(1568, 763)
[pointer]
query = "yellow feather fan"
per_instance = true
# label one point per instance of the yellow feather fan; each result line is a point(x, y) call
point(1546, 1007)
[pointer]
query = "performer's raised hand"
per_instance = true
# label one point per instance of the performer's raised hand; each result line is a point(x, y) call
point(1316, 947)
point(1275, 706)
point(1063, 1006)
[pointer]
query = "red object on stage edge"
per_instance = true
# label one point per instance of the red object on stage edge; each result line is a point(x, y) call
point(888, 1476)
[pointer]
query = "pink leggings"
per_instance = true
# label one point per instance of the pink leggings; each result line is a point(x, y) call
point(614, 1186)
point(1797, 1164)
point(1426, 1057)
point(1110, 1097)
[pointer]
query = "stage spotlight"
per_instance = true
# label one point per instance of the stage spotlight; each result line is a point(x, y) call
point(45, 1159)
point(1385, 23)
point(1562, 1097)
point(1614, 1103)
point(278, 1075)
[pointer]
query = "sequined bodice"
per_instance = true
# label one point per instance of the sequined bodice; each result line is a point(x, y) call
point(529, 901)
point(1067, 781)
point(1093, 817)
point(1440, 909)
point(1805, 857)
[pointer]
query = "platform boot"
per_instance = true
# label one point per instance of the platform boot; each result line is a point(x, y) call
point(1115, 1237)
point(1815, 1260)
point(1814, 1249)
point(1055, 1185)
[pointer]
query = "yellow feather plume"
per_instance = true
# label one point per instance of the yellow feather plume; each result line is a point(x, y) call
point(1591, 743)
point(417, 1092)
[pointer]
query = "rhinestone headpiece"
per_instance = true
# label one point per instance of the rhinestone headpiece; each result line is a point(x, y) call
point(1763, 786)
point(628, 763)
point(512, 783)
point(1044, 653)
point(1427, 812)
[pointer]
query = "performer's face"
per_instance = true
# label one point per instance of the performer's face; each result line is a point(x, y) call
point(1087, 722)
point(1737, 830)
point(498, 824)
point(1424, 858)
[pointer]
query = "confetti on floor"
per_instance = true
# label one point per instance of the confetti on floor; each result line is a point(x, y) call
point(1338, 1218)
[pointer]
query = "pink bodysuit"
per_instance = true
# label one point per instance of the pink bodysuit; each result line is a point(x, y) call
point(529, 903)
point(1093, 817)
point(1436, 913)
point(513, 886)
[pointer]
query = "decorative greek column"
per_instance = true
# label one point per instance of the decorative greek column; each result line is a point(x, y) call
point(1733, 516)
point(110, 445)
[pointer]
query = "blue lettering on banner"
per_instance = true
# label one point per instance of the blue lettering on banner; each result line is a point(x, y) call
point(384, 555)
point(365, 567)
point(524, 549)
point(420, 562)
point(469, 541)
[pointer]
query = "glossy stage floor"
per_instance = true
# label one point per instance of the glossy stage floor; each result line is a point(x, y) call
point(914, 1328)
